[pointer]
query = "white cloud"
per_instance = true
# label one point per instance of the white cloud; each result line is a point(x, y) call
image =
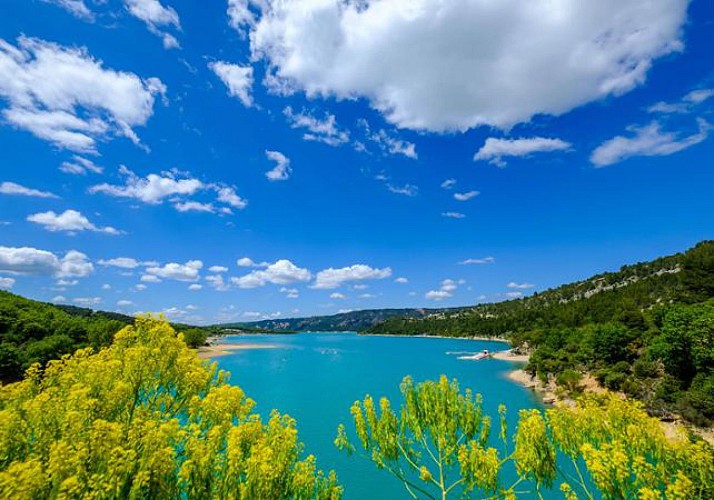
point(333, 278)
point(66, 97)
point(217, 282)
point(70, 221)
point(520, 286)
point(239, 14)
point(466, 196)
point(194, 287)
point(228, 196)
point(401, 280)
point(248, 262)
point(179, 272)
point(17, 189)
point(124, 303)
point(394, 145)
point(367, 296)
point(441, 66)
point(494, 150)
point(140, 287)
point(685, 105)
point(514, 295)
point(282, 170)
point(447, 289)
point(290, 293)
point(106, 286)
point(485, 260)
point(152, 189)
point(87, 301)
point(156, 16)
point(121, 262)
point(150, 278)
point(337, 296)
point(437, 295)
point(173, 185)
point(238, 79)
point(453, 215)
point(321, 130)
point(646, 141)
point(281, 272)
point(59, 299)
point(32, 261)
point(80, 166)
point(448, 183)
point(75, 7)
point(218, 269)
point(67, 282)
point(194, 206)
point(406, 189)
point(74, 265)
point(6, 283)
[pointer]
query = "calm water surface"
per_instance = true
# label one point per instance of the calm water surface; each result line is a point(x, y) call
point(315, 377)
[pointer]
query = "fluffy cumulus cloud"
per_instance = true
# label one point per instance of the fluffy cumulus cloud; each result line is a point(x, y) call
point(238, 79)
point(175, 186)
point(33, 261)
point(447, 289)
point(495, 150)
point(448, 184)
point(650, 140)
point(552, 56)
point(70, 221)
point(453, 215)
point(65, 96)
point(334, 278)
point(282, 170)
point(248, 262)
point(317, 129)
point(157, 17)
point(16, 189)
point(188, 271)
point(281, 272)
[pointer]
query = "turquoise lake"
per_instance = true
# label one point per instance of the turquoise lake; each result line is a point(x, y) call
point(315, 377)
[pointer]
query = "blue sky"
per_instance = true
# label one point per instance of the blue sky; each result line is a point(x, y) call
point(233, 161)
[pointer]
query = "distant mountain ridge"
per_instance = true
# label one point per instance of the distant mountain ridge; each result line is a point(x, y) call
point(347, 321)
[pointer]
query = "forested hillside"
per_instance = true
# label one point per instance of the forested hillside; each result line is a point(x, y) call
point(647, 330)
point(35, 332)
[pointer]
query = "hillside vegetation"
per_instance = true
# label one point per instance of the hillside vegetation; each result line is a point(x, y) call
point(35, 332)
point(646, 330)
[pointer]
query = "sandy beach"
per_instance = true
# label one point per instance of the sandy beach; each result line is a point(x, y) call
point(212, 351)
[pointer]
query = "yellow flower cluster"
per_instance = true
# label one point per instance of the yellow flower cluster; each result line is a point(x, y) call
point(145, 418)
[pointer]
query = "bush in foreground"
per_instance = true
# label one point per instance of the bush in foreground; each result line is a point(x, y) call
point(145, 418)
point(438, 445)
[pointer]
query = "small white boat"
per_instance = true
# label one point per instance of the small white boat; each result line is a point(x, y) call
point(478, 356)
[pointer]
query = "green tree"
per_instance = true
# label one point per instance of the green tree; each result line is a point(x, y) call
point(697, 273)
point(195, 337)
